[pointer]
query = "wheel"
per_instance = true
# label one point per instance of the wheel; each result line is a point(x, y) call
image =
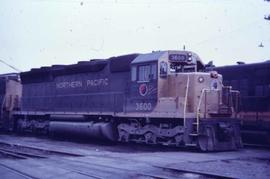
point(150, 138)
point(206, 142)
point(179, 139)
point(18, 127)
point(123, 136)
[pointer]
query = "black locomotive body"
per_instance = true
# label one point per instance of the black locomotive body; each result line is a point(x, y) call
point(253, 82)
point(156, 98)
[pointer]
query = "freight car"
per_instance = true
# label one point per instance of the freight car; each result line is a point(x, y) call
point(10, 94)
point(253, 82)
point(161, 97)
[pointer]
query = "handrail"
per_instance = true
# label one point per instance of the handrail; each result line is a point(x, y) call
point(199, 106)
point(203, 94)
point(2, 106)
point(185, 105)
point(236, 105)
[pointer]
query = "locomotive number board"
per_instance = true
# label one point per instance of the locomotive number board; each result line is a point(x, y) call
point(178, 57)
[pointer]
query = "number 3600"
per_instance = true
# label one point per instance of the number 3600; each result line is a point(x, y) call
point(143, 106)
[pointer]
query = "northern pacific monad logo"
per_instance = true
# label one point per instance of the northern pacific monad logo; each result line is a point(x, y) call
point(143, 89)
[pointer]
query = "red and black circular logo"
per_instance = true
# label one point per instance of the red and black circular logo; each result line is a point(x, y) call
point(143, 89)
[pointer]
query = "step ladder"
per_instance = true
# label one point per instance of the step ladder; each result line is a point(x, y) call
point(196, 124)
point(193, 135)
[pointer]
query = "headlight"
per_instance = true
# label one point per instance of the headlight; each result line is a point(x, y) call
point(200, 79)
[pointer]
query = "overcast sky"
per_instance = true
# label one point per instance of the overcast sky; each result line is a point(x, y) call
point(36, 33)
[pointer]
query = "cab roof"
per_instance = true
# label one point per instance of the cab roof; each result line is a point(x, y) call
point(156, 55)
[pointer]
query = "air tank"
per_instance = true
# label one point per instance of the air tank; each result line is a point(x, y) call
point(100, 130)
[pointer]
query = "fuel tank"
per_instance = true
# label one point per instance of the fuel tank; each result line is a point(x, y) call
point(100, 130)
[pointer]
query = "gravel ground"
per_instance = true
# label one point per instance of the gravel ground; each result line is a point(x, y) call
point(102, 160)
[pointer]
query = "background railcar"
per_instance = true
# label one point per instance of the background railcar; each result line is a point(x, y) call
point(162, 97)
point(10, 94)
point(253, 81)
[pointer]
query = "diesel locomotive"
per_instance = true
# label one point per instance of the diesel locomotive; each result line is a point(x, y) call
point(163, 97)
point(253, 82)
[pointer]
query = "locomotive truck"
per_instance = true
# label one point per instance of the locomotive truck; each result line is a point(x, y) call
point(163, 97)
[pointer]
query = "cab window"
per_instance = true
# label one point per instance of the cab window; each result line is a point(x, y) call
point(145, 73)
point(153, 71)
point(133, 73)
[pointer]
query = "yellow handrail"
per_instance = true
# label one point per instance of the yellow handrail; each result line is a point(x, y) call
point(199, 106)
point(203, 92)
point(185, 105)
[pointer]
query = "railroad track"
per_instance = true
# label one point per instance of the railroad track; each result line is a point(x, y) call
point(151, 172)
point(18, 154)
point(23, 152)
point(96, 170)
point(196, 174)
point(92, 167)
point(17, 172)
point(257, 146)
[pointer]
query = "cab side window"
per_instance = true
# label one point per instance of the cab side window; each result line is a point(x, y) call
point(144, 73)
point(153, 71)
point(133, 73)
